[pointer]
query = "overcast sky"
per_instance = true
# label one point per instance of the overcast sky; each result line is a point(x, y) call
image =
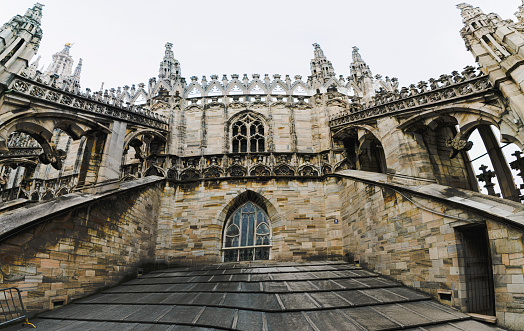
point(122, 42)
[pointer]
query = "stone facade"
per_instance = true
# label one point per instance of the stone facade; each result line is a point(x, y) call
point(353, 168)
point(192, 219)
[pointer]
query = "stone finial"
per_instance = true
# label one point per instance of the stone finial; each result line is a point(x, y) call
point(486, 176)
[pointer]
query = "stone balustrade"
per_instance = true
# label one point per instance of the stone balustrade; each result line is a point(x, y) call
point(106, 104)
point(435, 91)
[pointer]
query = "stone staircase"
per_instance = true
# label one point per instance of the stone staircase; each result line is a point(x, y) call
point(258, 296)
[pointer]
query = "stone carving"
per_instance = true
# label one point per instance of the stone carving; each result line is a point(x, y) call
point(213, 172)
point(52, 156)
point(189, 174)
point(236, 171)
point(284, 170)
point(457, 144)
point(260, 170)
point(172, 174)
point(308, 171)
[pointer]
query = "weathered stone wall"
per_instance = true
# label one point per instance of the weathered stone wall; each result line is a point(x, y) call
point(507, 255)
point(89, 247)
point(192, 218)
point(420, 243)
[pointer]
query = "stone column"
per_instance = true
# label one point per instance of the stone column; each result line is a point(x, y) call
point(111, 158)
point(91, 158)
point(504, 176)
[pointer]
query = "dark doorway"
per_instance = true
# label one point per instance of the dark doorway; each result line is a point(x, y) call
point(479, 274)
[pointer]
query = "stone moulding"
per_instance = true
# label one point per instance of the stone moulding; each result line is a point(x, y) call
point(467, 88)
point(62, 98)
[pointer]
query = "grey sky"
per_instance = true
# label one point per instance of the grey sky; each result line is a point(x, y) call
point(122, 42)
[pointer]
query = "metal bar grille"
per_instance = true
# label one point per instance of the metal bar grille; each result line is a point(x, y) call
point(11, 306)
point(479, 281)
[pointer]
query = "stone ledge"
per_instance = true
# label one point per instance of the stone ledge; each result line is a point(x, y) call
point(20, 218)
point(498, 209)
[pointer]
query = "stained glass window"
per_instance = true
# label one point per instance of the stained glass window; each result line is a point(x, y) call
point(247, 235)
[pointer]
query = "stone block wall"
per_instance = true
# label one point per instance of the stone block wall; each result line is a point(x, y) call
point(83, 250)
point(192, 218)
point(419, 242)
point(507, 254)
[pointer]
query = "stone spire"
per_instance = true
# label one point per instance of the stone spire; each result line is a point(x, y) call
point(19, 40)
point(358, 68)
point(35, 13)
point(62, 64)
point(33, 68)
point(78, 70)
point(361, 75)
point(169, 67)
point(468, 12)
point(321, 68)
point(520, 13)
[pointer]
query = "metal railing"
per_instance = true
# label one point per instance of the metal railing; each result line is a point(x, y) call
point(11, 307)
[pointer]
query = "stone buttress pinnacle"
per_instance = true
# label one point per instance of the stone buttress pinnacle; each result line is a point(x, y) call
point(169, 67)
point(35, 13)
point(321, 67)
point(358, 68)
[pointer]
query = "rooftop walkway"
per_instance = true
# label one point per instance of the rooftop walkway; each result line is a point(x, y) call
point(317, 296)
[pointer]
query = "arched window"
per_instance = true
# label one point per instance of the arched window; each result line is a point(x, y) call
point(248, 135)
point(247, 235)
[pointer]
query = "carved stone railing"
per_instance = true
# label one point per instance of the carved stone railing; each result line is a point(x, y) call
point(241, 165)
point(37, 189)
point(15, 152)
point(451, 88)
point(107, 107)
point(249, 101)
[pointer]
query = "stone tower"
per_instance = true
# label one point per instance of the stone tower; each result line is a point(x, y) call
point(19, 40)
point(496, 45)
point(62, 68)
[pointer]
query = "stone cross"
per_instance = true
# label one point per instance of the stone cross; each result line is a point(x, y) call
point(486, 176)
point(518, 165)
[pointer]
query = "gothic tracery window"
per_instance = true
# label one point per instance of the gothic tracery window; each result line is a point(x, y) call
point(247, 235)
point(247, 135)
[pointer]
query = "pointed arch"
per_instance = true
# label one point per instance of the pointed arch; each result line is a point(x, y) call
point(214, 89)
point(194, 90)
point(235, 87)
point(257, 88)
point(141, 93)
point(161, 84)
point(226, 217)
point(299, 88)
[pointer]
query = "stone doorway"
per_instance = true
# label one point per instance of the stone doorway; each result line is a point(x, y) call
point(478, 271)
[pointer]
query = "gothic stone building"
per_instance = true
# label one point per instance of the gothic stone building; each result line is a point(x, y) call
point(190, 172)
